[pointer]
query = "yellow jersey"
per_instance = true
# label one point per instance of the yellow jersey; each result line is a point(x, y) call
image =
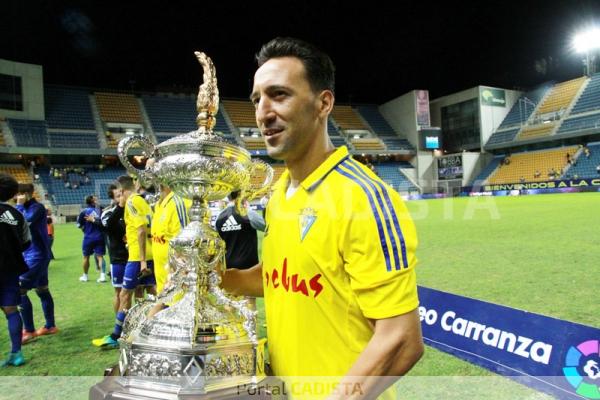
point(337, 252)
point(170, 216)
point(137, 213)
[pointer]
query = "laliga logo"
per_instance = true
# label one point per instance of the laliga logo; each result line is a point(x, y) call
point(582, 368)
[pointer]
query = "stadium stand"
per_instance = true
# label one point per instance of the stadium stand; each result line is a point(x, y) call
point(73, 140)
point(2, 141)
point(488, 170)
point(580, 123)
point(98, 184)
point(523, 108)
point(256, 145)
point(371, 114)
point(19, 172)
point(241, 113)
point(118, 107)
point(561, 96)
point(503, 136)
point(585, 167)
point(346, 118)
point(390, 173)
point(523, 166)
point(67, 108)
point(367, 144)
point(336, 138)
point(171, 116)
point(29, 133)
point(537, 131)
point(590, 98)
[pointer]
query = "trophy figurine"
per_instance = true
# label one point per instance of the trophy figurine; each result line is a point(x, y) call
point(204, 342)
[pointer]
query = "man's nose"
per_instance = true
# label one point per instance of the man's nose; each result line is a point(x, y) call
point(264, 111)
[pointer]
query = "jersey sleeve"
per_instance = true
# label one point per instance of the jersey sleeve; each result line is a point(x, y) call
point(378, 247)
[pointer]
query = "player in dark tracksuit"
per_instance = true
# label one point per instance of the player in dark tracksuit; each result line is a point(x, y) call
point(15, 238)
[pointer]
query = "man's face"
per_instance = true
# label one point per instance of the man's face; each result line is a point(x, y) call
point(116, 195)
point(287, 109)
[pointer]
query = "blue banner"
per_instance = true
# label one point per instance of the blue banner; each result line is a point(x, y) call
point(556, 356)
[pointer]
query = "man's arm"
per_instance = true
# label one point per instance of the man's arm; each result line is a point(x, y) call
point(244, 282)
point(142, 233)
point(25, 234)
point(33, 213)
point(396, 345)
point(256, 220)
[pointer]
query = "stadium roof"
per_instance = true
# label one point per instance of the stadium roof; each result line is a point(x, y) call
point(381, 49)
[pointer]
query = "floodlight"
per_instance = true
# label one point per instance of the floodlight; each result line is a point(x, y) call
point(587, 40)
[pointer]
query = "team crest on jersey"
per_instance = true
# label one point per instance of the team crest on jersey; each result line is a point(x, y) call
point(307, 217)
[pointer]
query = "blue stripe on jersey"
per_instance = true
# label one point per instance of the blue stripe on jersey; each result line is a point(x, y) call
point(387, 220)
point(384, 246)
point(180, 210)
point(317, 183)
point(392, 211)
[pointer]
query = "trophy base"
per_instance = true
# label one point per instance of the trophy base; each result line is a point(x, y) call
point(114, 387)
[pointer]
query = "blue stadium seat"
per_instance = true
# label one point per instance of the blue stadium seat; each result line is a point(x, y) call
point(486, 172)
point(580, 124)
point(521, 110)
point(73, 140)
point(503, 136)
point(371, 114)
point(98, 185)
point(586, 167)
point(177, 115)
point(389, 172)
point(68, 108)
point(29, 133)
point(590, 98)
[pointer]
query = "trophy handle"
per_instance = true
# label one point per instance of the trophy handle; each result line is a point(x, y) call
point(144, 176)
point(255, 191)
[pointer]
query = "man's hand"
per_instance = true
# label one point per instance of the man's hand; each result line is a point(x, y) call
point(90, 218)
point(143, 266)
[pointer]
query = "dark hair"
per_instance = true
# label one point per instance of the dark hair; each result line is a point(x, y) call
point(110, 189)
point(234, 195)
point(8, 187)
point(89, 200)
point(320, 71)
point(126, 182)
point(26, 188)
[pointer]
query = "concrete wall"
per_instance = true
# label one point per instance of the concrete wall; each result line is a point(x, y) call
point(426, 169)
point(491, 116)
point(32, 80)
point(400, 113)
point(435, 106)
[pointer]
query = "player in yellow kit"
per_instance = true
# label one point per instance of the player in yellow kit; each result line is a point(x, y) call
point(170, 216)
point(338, 265)
point(139, 267)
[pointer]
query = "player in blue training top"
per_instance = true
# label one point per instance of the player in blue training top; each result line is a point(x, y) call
point(93, 238)
point(37, 257)
point(15, 238)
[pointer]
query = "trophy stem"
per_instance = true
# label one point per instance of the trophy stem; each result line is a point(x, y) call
point(199, 210)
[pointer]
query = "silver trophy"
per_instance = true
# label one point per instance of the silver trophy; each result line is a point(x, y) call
point(205, 341)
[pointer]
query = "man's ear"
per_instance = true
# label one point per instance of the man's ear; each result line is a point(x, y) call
point(326, 100)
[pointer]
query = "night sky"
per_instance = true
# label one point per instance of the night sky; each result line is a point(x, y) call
point(381, 49)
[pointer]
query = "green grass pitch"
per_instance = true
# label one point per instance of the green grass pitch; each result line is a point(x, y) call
point(536, 253)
